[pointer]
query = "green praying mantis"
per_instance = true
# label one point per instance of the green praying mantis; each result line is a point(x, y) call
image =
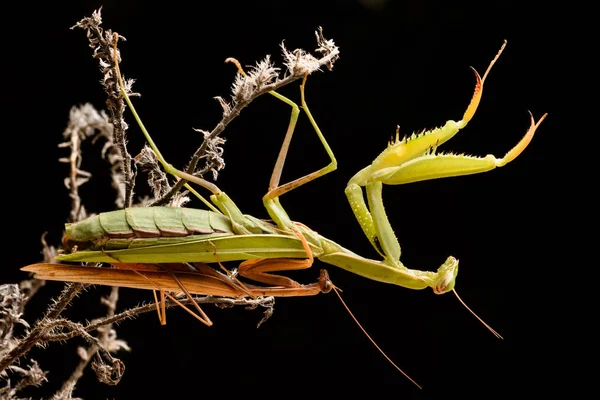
point(167, 249)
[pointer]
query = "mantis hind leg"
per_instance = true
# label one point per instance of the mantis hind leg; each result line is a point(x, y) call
point(200, 315)
point(271, 199)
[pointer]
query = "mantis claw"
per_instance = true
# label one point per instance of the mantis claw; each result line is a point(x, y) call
point(472, 107)
point(478, 90)
point(523, 143)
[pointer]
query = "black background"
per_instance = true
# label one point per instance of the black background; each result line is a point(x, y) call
point(403, 63)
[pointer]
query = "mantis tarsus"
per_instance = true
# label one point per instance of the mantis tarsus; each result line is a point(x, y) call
point(165, 249)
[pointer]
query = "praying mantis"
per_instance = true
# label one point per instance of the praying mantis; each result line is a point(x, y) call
point(167, 249)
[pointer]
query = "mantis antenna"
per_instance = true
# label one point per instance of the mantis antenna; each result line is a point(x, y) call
point(335, 289)
point(477, 316)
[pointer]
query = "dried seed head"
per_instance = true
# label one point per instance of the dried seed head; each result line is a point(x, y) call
point(11, 299)
point(327, 47)
point(147, 162)
point(213, 153)
point(30, 376)
point(247, 86)
point(103, 43)
point(109, 374)
point(263, 73)
point(224, 105)
point(299, 62)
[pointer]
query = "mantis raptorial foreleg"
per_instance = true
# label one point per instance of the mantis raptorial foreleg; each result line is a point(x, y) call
point(413, 159)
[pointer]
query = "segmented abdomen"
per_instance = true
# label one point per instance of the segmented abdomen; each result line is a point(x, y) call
point(147, 222)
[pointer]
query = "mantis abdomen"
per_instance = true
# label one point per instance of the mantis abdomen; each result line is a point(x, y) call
point(146, 222)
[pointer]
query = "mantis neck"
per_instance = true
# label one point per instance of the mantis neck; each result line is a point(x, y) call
point(381, 271)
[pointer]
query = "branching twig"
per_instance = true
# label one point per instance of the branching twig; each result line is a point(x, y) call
point(102, 43)
point(158, 180)
point(263, 78)
point(105, 336)
point(266, 302)
point(84, 122)
point(109, 374)
point(37, 334)
point(30, 376)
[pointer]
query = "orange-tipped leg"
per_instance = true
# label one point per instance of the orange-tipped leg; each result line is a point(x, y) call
point(470, 111)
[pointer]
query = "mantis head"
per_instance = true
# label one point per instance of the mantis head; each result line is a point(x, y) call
point(445, 283)
point(446, 276)
point(325, 283)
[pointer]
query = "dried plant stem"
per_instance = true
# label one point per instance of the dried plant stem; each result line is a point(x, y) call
point(102, 42)
point(298, 66)
point(37, 334)
point(227, 118)
point(224, 302)
point(103, 337)
point(65, 298)
point(42, 332)
point(74, 162)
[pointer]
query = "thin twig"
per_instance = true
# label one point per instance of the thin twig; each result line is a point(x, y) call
point(84, 122)
point(266, 302)
point(110, 374)
point(102, 42)
point(101, 343)
point(39, 331)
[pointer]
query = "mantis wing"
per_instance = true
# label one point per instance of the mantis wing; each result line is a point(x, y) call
point(201, 248)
